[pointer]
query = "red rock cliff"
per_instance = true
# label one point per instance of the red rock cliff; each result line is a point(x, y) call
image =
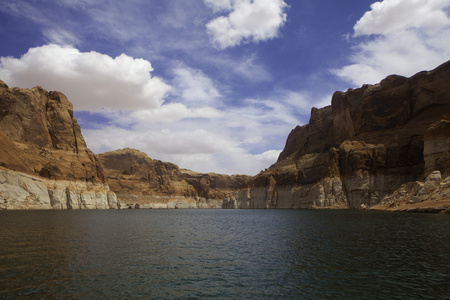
point(364, 146)
point(46, 135)
point(138, 179)
point(44, 160)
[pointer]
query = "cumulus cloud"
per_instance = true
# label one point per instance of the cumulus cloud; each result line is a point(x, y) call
point(392, 15)
point(91, 80)
point(247, 20)
point(398, 37)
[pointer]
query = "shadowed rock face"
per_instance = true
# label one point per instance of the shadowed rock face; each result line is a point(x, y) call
point(136, 178)
point(437, 147)
point(364, 146)
point(38, 127)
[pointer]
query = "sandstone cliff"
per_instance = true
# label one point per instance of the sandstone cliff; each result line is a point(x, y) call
point(140, 181)
point(42, 142)
point(369, 142)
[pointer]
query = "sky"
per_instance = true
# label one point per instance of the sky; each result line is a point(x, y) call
point(212, 85)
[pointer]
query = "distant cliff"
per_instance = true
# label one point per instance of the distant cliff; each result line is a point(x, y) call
point(138, 179)
point(44, 160)
point(363, 147)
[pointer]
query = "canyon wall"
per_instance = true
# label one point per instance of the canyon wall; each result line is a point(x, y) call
point(140, 181)
point(44, 160)
point(377, 146)
point(45, 164)
point(361, 148)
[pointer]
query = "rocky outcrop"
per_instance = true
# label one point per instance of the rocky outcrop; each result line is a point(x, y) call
point(138, 179)
point(44, 160)
point(42, 126)
point(433, 195)
point(360, 149)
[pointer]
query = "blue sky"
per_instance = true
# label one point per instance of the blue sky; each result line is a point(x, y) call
point(212, 85)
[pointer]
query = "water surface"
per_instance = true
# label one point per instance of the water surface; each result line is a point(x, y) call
point(224, 254)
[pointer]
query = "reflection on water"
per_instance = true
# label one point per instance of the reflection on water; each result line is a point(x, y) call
point(223, 254)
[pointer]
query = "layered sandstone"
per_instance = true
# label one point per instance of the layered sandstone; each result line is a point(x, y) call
point(369, 142)
point(140, 181)
point(40, 138)
point(22, 191)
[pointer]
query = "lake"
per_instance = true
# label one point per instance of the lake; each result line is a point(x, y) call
point(224, 254)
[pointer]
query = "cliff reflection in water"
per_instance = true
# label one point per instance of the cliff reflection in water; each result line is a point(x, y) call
point(223, 254)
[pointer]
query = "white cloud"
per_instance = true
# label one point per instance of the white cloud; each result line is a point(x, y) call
point(173, 112)
point(91, 80)
point(392, 15)
point(219, 5)
point(267, 158)
point(51, 30)
point(60, 36)
point(24, 9)
point(248, 20)
point(398, 37)
point(324, 101)
point(233, 140)
point(201, 150)
point(194, 87)
point(250, 69)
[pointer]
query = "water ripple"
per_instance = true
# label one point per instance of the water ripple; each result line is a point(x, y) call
point(223, 254)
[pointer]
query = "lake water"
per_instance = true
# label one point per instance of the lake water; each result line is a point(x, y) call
point(223, 254)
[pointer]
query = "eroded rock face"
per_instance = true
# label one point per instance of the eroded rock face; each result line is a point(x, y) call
point(437, 147)
point(136, 178)
point(23, 191)
point(362, 170)
point(46, 136)
point(132, 171)
point(363, 147)
point(44, 160)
